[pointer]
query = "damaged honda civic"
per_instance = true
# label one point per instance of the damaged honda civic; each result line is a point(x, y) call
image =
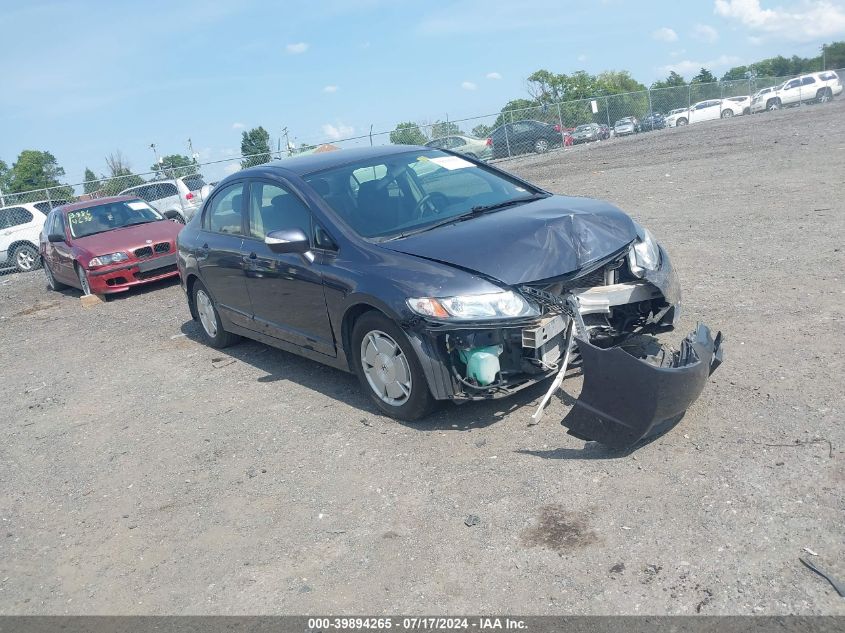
point(434, 277)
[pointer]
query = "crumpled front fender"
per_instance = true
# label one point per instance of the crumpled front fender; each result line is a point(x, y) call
point(625, 399)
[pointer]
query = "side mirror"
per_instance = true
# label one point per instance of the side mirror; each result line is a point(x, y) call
point(56, 237)
point(289, 241)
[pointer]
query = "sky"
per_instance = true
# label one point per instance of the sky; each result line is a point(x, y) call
point(85, 79)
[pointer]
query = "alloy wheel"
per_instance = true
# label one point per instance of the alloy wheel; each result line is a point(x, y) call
point(386, 368)
point(25, 259)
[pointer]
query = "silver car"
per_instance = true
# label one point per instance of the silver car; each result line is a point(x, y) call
point(178, 199)
point(466, 145)
point(628, 125)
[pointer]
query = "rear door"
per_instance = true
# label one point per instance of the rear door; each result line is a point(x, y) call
point(809, 87)
point(285, 289)
point(220, 256)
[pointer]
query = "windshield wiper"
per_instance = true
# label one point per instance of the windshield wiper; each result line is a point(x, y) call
point(136, 223)
point(474, 212)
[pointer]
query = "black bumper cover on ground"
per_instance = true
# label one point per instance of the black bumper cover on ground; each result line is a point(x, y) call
point(625, 399)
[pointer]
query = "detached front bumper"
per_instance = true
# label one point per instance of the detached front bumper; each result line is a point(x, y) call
point(625, 399)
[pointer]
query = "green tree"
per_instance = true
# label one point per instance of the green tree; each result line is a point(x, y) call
point(91, 184)
point(704, 76)
point(834, 55)
point(672, 81)
point(444, 128)
point(517, 110)
point(255, 147)
point(549, 87)
point(34, 170)
point(175, 166)
point(119, 175)
point(5, 174)
point(407, 133)
point(612, 82)
point(481, 131)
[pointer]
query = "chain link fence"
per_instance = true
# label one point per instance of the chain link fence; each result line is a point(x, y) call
point(178, 191)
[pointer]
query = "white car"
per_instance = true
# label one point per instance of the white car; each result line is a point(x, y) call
point(20, 226)
point(758, 101)
point(821, 87)
point(177, 199)
point(744, 103)
point(705, 111)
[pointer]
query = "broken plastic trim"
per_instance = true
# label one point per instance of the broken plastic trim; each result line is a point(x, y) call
point(626, 399)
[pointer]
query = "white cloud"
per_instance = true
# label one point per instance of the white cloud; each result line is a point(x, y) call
point(238, 126)
point(339, 131)
point(687, 66)
point(677, 53)
point(330, 89)
point(705, 33)
point(493, 76)
point(468, 85)
point(806, 20)
point(297, 48)
point(582, 57)
point(665, 34)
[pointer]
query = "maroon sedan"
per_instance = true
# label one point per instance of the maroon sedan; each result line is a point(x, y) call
point(107, 245)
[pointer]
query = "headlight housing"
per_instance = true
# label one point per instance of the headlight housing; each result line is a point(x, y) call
point(495, 305)
point(105, 260)
point(644, 253)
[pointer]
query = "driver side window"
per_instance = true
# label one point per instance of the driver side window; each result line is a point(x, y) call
point(225, 211)
point(274, 208)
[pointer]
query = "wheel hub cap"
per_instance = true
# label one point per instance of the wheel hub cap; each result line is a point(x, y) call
point(386, 368)
point(206, 314)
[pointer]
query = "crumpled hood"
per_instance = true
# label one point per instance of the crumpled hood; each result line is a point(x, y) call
point(535, 241)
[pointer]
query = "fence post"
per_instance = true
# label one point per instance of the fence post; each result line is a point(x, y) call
point(607, 111)
point(49, 201)
point(560, 123)
point(689, 96)
point(650, 107)
point(507, 140)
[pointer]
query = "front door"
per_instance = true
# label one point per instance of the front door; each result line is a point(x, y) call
point(220, 257)
point(60, 254)
point(286, 289)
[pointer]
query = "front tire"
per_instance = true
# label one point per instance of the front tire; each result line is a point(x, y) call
point(772, 105)
point(681, 122)
point(388, 368)
point(211, 327)
point(83, 281)
point(26, 258)
point(727, 114)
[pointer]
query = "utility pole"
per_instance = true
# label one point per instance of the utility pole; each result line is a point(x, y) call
point(158, 160)
point(824, 56)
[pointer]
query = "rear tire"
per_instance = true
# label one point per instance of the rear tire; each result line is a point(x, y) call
point(825, 95)
point(26, 258)
point(388, 368)
point(211, 327)
point(541, 146)
point(681, 122)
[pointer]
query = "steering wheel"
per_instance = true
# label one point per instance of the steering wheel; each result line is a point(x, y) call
point(426, 205)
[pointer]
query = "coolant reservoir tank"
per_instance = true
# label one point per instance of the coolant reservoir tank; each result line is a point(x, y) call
point(482, 363)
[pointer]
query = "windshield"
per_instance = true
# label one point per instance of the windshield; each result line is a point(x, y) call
point(107, 217)
point(583, 128)
point(623, 122)
point(389, 196)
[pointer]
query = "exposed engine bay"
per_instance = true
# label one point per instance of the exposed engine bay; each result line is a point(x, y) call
point(604, 320)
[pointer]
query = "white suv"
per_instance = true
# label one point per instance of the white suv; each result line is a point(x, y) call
point(177, 199)
point(820, 87)
point(20, 226)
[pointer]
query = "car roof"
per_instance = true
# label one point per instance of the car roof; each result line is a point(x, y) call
point(310, 163)
point(87, 204)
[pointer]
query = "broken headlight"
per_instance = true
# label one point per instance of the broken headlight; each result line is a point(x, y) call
point(644, 254)
point(494, 305)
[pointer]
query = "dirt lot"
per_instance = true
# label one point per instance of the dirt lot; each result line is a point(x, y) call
point(143, 472)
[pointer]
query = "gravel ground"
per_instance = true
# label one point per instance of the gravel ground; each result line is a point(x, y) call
point(143, 472)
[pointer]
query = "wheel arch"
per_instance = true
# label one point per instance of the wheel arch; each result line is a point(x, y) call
point(190, 282)
point(18, 243)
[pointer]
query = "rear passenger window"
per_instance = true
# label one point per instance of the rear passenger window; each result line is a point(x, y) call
point(225, 211)
point(806, 81)
point(14, 216)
